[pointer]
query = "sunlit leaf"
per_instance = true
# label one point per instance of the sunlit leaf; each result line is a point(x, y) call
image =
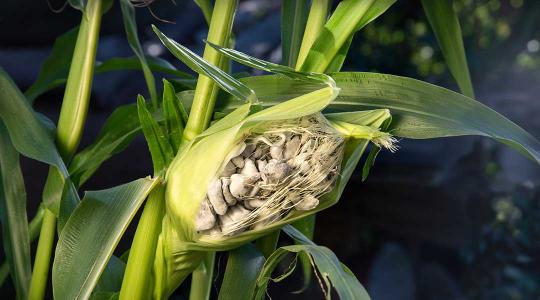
point(198, 64)
point(445, 24)
point(294, 15)
point(332, 272)
point(160, 149)
point(91, 235)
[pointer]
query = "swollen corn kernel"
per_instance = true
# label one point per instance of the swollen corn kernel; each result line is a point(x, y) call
point(282, 166)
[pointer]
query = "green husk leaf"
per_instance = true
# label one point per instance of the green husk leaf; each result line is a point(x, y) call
point(243, 265)
point(16, 240)
point(331, 270)
point(294, 15)
point(128, 16)
point(91, 234)
point(158, 143)
point(198, 64)
point(445, 25)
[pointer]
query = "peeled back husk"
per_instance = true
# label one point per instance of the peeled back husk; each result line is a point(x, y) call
point(209, 156)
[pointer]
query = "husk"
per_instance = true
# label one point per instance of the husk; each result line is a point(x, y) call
point(181, 247)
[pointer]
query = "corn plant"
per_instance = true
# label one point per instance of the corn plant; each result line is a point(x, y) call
point(236, 160)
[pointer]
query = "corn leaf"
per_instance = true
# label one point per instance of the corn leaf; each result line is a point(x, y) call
point(117, 133)
point(332, 272)
point(160, 149)
point(445, 25)
point(128, 15)
point(294, 15)
point(16, 240)
point(271, 67)
point(33, 139)
point(243, 265)
point(374, 11)
point(420, 110)
point(91, 234)
point(175, 115)
point(340, 27)
point(55, 68)
point(199, 65)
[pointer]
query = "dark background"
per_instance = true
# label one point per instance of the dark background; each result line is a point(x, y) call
point(451, 218)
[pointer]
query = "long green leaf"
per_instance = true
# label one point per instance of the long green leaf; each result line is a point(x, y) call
point(130, 25)
point(173, 112)
point(31, 138)
point(272, 67)
point(34, 140)
point(420, 110)
point(243, 265)
point(445, 25)
point(55, 68)
point(91, 234)
point(117, 133)
point(160, 149)
point(294, 15)
point(332, 272)
point(198, 64)
point(374, 11)
point(15, 234)
point(340, 27)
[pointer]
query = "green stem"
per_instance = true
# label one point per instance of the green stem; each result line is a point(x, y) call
point(79, 82)
point(38, 282)
point(70, 127)
point(201, 280)
point(137, 282)
point(315, 23)
point(204, 98)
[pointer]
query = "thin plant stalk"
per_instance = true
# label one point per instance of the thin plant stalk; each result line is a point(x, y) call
point(204, 98)
point(137, 277)
point(201, 113)
point(318, 14)
point(38, 282)
point(202, 278)
point(70, 127)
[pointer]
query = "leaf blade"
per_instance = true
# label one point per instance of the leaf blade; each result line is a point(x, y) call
point(294, 15)
point(15, 233)
point(445, 25)
point(91, 234)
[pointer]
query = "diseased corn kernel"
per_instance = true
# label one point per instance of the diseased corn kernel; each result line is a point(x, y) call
point(278, 167)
